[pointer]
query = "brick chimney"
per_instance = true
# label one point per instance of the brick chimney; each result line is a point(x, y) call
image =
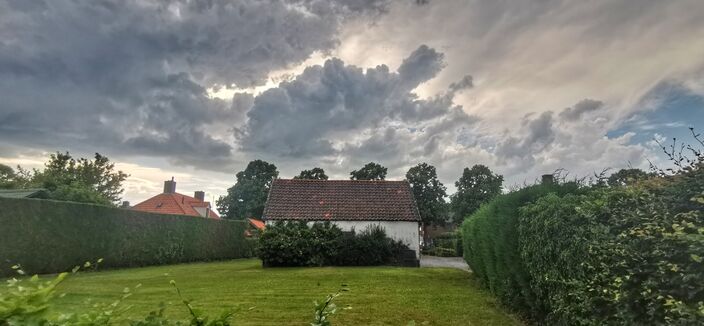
point(200, 195)
point(548, 179)
point(170, 186)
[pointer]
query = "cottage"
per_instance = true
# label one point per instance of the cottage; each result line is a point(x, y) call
point(349, 204)
point(171, 202)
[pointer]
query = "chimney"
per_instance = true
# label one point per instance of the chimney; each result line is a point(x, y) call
point(548, 179)
point(125, 204)
point(170, 186)
point(200, 195)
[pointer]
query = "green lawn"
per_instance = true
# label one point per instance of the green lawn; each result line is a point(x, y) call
point(284, 296)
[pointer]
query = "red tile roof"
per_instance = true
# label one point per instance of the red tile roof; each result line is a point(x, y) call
point(259, 225)
point(341, 200)
point(174, 203)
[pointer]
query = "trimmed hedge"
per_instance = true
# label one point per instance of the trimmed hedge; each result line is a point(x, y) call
point(490, 239)
point(569, 255)
point(46, 236)
point(619, 256)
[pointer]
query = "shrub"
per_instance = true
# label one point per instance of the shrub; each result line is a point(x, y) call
point(324, 244)
point(46, 236)
point(619, 256)
point(490, 239)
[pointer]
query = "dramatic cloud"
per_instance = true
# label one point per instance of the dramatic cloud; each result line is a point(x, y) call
point(336, 109)
point(194, 88)
point(133, 76)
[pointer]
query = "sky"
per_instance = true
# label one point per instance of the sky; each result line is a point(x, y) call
point(197, 89)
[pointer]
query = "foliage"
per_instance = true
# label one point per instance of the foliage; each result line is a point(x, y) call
point(247, 197)
point(313, 174)
point(627, 177)
point(326, 308)
point(491, 247)
point(69, 179)
point(48, 236)
point(475, 187)
point(371, 171)
point(324, 244)
point(638, 259)
point(428, 192)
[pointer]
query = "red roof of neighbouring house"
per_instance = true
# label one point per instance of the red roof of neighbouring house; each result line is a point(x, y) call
point(342, 200)
point(257, 224)
point(175, 203)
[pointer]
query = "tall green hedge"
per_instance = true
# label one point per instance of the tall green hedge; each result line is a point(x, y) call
point(47, 236)
point(617, 256)
point(490, 239)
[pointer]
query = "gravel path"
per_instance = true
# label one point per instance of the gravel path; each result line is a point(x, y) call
point(451, 262)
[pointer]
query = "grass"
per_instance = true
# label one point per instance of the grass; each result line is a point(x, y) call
point(284, 296)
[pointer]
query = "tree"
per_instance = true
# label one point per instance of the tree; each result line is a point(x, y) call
point(627, 177)
point(68, 179)
point(428, 192)
point(314, 174)
point(371, 171)
point(477, 186)
point(11, 179)
point(248, 196)
point(95, 178)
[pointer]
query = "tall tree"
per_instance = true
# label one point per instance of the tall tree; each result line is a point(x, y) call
point(477, 186)
point(94, 179)
point(69, 179)
point(313, 174)
point(428, 192)
point(371, 171)
point(248, 196)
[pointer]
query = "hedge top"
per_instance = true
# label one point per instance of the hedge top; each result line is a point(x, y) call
point(341, 200)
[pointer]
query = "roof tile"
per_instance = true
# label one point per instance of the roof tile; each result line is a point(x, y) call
point(342, 200)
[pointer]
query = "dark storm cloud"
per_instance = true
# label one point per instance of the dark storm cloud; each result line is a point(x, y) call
point(359, 110)
point(578, 110)
point(536, 134)
point(131, 76)
point(465, 83)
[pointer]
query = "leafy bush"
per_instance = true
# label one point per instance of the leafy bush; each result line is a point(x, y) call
point(324, 244)
point(619, 256)
point(490, 239)
point(46, 236)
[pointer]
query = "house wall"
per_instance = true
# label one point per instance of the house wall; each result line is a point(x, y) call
point(405, 231)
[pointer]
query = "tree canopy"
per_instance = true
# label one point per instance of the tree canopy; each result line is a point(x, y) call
point(248, 196)
point(313, 174)
point(371, 171)
point(428, 192)
point(70, 179)
point(475, 187)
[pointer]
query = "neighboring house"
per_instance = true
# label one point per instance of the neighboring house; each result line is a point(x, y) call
point(254, 227)
point(171, 202)
point(349, 204)
point(24, 193)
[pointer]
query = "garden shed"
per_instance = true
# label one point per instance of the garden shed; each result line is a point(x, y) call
point(349, 204)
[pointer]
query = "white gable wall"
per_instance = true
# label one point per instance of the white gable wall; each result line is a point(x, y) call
point(404, 231)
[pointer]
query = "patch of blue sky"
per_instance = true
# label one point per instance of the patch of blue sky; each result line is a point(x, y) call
point(670, 109)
